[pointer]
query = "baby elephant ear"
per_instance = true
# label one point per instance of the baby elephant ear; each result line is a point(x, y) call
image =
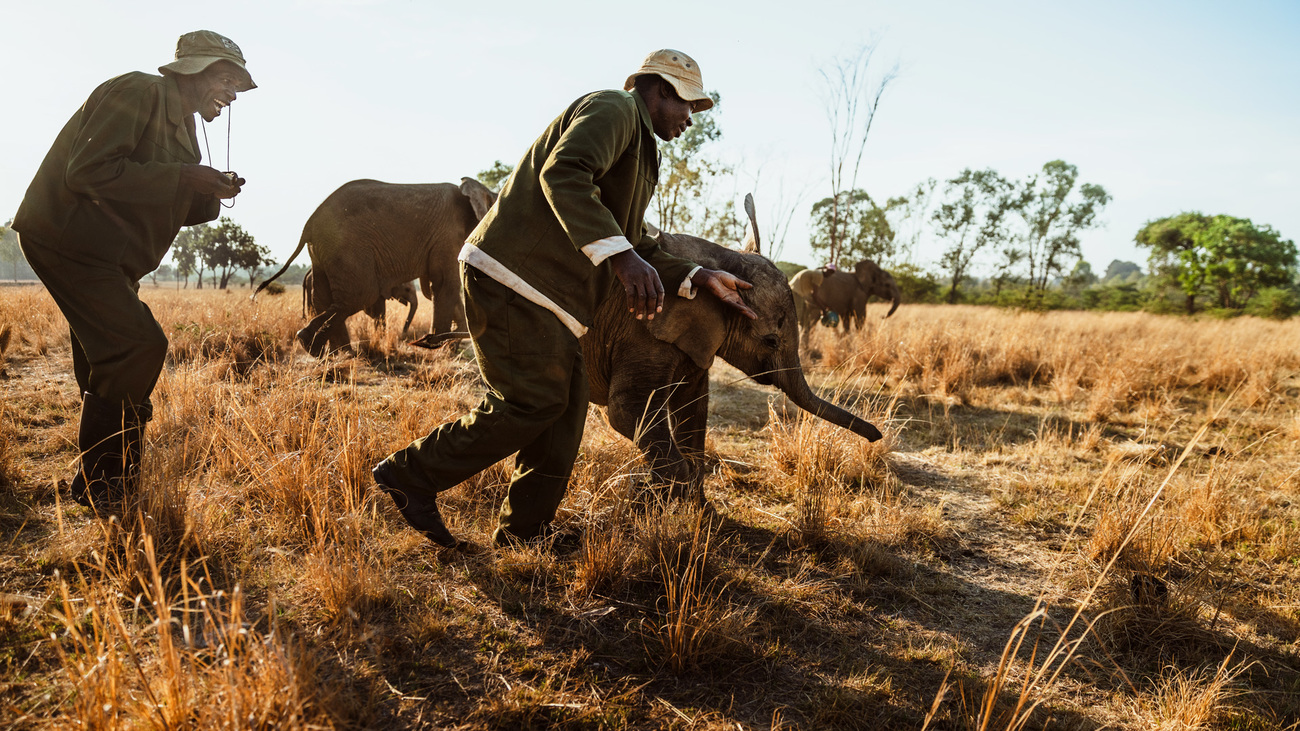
point(696, 326)
point(480, 198)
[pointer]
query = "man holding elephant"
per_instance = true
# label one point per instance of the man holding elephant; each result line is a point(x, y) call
point(534, 272)
point(122, 178)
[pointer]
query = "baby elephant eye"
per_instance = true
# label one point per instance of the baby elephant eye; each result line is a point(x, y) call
point(771, 342)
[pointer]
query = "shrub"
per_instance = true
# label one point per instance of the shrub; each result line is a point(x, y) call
point(1125, 297)
point(915, 284)
point(1277, 303)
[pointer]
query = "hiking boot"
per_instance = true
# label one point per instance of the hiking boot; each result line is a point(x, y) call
point(557, 541)
point(111, 440)
point(417, 501)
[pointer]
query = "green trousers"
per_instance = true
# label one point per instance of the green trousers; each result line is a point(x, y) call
point(118, 348)
point(535, 407)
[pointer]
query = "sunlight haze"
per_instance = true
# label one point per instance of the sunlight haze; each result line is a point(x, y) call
point(1169, 106)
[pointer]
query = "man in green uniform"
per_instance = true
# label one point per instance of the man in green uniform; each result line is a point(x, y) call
point(567, 226)
point(121, 179)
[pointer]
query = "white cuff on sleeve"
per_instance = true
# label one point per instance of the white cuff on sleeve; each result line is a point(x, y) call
point(602, 249)
point(687, 287)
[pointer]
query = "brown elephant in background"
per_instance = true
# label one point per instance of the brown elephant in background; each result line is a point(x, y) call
point(369, 236)
point(848, 294)
point(405, 293)
point(653, 376)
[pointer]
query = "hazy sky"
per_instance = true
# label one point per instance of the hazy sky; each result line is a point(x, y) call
point(1170, 106)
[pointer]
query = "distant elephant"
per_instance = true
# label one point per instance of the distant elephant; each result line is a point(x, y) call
point(368, 237)
point(405, 293)
point(847, 295)
point(654, 375)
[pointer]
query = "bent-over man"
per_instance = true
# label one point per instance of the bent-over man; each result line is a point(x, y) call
point(121, 179)
point(568, 226)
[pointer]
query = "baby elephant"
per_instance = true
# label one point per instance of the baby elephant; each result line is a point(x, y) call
point(653, 376)
point(405, 293)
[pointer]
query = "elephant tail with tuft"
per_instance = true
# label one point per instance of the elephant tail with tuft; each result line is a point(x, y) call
point(302, 241)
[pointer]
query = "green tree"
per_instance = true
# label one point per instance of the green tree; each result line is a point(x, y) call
point(1245, 258)
point(1121, 271)
point(230, 248)
point(686, 198)
point(1226, 257)
point(1176, 258)
point(1054, 210)
point(164, 270)
point(863, 229)
point(10, 252)
point(495, 176)
point(1081, 275)
point(909, 215)
point(914, 283)
point(1004, 272)
point(971, 216)
point(187, 253)
point(246, 254)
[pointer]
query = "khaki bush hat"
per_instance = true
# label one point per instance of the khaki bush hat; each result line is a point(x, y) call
point(200, 49)
point(677, 69)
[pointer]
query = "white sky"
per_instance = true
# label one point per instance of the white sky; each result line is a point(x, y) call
point(1170, 106)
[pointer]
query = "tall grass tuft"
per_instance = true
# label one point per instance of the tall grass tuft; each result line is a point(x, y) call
point(10, 473)
point(823, 465)
point(186, 657)
point(1193, 699)
point(692, 624)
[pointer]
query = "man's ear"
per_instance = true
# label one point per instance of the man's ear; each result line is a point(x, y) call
point(696, 326)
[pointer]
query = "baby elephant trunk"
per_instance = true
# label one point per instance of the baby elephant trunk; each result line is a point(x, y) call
point(792, 383)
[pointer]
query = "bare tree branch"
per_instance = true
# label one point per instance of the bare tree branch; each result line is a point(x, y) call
point(852, 96)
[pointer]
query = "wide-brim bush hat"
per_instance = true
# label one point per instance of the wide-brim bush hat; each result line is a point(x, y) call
point(679, 70)
point(200, 49)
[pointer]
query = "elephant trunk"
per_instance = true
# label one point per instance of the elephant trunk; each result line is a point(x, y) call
point(795, 387)
point(896, 301)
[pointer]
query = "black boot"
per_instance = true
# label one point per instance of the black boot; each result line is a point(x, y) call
point(417, 501)
point(135, 417)
point(110, 438)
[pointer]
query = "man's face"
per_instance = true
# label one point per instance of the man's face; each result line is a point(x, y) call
point(214, 88)
point(671, 115)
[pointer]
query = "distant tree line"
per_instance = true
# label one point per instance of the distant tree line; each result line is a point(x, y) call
point(11, 256)
point(220, 250)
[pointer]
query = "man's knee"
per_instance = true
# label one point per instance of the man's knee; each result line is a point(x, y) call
point(151, 351)
point(538, 409)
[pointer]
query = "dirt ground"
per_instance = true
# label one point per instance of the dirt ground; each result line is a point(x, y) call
point(1018, 553)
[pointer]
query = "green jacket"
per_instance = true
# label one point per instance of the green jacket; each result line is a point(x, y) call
point(588, 177)
point(109, 189)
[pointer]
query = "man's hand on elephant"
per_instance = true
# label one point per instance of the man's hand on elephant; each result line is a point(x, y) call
point(645, 293)
point(726, 287)
point(210, 181)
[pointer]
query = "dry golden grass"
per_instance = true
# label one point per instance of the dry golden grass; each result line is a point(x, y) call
point(1074, 520)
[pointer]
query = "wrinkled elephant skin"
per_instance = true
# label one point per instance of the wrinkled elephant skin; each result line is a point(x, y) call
point(654, 375)
point(368, 237)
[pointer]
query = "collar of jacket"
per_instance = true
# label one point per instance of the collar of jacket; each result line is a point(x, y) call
point(185, 132)
point(644, 110)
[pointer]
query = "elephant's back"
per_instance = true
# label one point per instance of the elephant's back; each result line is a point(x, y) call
point(715, 256)
point(375, 199)
point(400, 221)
